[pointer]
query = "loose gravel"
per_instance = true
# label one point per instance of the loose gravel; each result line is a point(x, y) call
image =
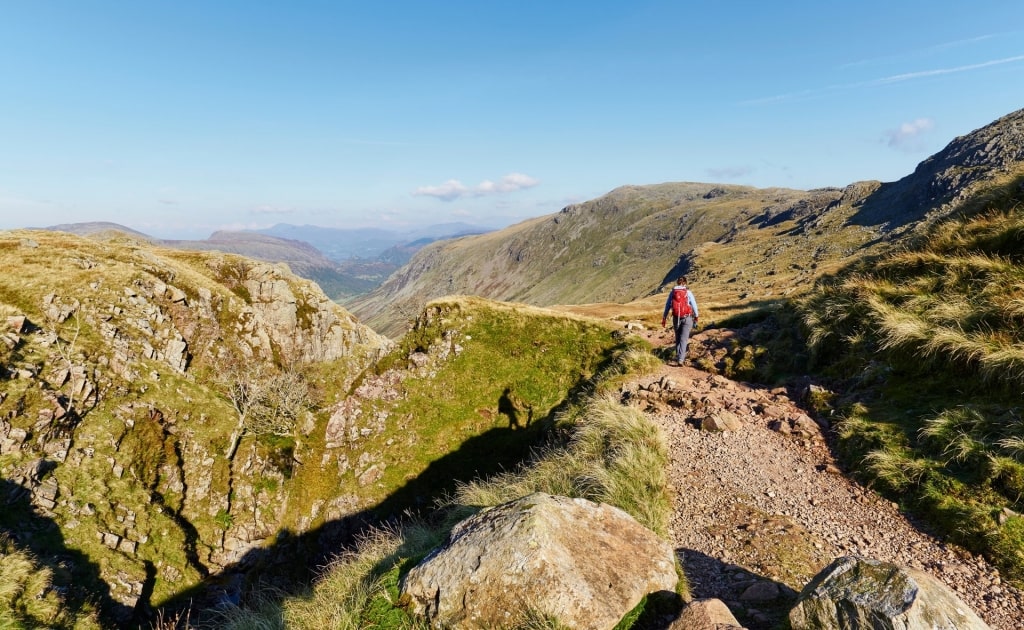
point(758, 512)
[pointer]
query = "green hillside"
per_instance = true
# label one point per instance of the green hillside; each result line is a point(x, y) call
point(559, 370)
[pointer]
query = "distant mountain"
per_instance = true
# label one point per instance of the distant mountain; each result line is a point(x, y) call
point(741, 246)
point(301, 257)
point(94, 228)
point(341, 244)
point(630, 243)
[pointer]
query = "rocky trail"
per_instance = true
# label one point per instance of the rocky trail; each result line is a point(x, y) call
point(761, 505)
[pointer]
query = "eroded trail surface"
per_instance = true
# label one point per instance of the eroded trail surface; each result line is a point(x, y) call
point(761, 508)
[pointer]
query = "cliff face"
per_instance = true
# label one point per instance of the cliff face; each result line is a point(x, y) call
point(129, 443)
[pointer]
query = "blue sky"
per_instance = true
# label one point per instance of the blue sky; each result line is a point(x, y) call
point(180, 118)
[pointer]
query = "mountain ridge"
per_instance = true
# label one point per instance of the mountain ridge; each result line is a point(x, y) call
point(744, 246)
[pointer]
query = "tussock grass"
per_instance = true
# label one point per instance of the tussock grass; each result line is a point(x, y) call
point(357, 589)
point(28, 598)
point(897, 468)
point(942, 321)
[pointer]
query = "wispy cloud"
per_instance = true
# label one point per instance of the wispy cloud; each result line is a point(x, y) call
point(928, 50)
point(907, 137)
point(375, 143)
point(24, 204)
point(909, 76)
point(454, 189)
point(889, 80)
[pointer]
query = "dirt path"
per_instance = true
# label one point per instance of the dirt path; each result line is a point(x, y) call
point(760, 509)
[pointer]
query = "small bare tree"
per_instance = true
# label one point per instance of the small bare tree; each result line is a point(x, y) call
point(267, 401)
point(285, 395)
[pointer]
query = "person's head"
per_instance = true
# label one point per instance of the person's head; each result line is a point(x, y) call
point(681, 280)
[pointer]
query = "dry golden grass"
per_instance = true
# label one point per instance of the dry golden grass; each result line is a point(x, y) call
point(931, 337)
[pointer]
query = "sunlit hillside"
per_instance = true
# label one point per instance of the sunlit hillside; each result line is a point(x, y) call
point(927, 347)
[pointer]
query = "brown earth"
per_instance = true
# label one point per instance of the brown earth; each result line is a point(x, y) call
point(760, 509)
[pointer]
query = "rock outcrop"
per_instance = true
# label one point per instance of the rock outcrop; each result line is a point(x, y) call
point(117, 360)
point(858, 593)
point(706, 614)
point(582, 563)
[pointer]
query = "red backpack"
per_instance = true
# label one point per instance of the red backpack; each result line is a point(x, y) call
point(680, 303)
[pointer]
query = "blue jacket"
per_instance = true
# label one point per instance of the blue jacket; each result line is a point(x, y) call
point(689, 298)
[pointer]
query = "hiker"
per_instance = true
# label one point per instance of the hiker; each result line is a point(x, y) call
point(684, 315)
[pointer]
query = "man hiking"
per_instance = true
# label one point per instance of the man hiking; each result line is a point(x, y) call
point(684, 315)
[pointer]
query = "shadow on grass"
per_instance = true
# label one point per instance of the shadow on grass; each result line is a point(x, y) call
point(294, 560)
point(682, 267)
point(75, 577)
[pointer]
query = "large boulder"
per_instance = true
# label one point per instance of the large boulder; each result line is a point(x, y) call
point(855, 593)
point(583, 563)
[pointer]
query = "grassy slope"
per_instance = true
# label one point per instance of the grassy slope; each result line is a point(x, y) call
point(452, 417)
point(425, 447)
point(929, 347)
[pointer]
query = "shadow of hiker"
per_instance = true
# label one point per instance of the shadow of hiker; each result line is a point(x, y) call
point(758, 602)
point(510, 405)
point(74, 576)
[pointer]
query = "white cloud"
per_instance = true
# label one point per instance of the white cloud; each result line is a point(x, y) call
point(516, 181)
point(454, 189)
point(907, 137)
point(238, 226)
point(448, 191)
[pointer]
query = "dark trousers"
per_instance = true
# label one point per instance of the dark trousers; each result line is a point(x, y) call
point(682, 327)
